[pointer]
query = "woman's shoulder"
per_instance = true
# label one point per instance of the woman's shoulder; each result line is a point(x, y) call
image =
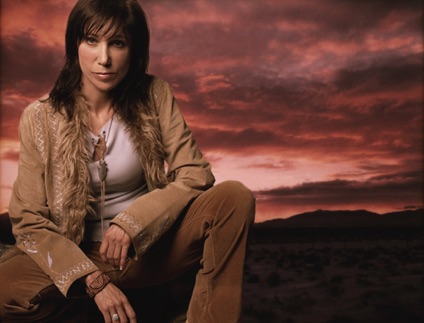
point(36, 109)
point(158, 85)
point(42, 103)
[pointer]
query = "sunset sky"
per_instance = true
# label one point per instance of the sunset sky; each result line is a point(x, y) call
point(312, 104)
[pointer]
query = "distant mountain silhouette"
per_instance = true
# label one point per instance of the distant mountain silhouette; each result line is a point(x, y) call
point(316, 219)
point(347, 219)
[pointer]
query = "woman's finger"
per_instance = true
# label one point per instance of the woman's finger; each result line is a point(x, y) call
point(104, 250)
point(116, 257)
point(130, 313)
point(122, 316)
point(115, 245)
point(124, 254)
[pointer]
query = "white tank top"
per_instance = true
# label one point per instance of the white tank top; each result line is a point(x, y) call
point(125, 179)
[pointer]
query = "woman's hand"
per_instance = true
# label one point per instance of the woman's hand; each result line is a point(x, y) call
point(114, 247)
point(114, 305)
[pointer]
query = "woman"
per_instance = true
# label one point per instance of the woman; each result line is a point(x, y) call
point(93, 210)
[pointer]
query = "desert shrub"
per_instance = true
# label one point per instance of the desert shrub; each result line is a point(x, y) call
point(280, 262)
point(276, 300)
point(312, 258)
point(393, 269)
point(395, 311)
point(337, 279)
point(341, 318)
point(263, 314)
point(253, 279)
point(264, 299)
point(273, 279)
point(313, 277)
point(326, 259)
point(349, 261)
point(385, 281)
point(246, 267)
point(317, 268)
point(296, 257)
point(364, 280)
point(299, 303)
point(411, 258)
point(416, 271)
point(367, 265)
point(385, 260)
point(410, 288)
point(259, 258)
point(374, 253)
point(335, 290)
point(374, 295)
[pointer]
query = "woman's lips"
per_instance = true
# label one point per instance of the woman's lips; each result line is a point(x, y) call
point(104, 76)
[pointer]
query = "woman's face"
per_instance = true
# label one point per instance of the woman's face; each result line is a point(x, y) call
point(104, 60)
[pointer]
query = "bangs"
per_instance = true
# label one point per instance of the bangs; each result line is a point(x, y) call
point(104, 25)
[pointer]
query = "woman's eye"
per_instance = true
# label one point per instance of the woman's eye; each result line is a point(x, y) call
point(91, 40)
point(118, 43)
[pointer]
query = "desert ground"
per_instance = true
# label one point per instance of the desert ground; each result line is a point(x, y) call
point(335, 277)
point(329, 275)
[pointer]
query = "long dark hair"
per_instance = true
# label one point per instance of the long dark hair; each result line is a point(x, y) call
point(91, 16)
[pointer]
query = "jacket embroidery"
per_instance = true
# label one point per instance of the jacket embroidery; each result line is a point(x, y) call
point(57, 177)
point(145, 241)
point(39, 133)
point(28, 242)
point(63, 280)
point(129, 220)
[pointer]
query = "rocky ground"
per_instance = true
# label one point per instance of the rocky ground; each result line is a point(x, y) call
point(363, 279)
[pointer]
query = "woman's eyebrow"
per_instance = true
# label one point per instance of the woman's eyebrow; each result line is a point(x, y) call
point(118, 36)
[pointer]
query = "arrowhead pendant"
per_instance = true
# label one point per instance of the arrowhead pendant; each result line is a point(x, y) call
point(102, 170)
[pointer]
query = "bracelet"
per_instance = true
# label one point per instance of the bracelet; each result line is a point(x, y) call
point(97, 285)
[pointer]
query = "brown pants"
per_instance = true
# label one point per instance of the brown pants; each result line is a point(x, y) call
point(212, 234)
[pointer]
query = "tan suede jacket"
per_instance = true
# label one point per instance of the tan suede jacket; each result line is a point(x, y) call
point(52, 193)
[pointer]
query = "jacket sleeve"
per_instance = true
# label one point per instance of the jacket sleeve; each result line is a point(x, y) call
point(36, 235)
point(152, 214)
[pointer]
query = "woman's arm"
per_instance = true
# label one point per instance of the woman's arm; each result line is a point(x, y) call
point(36, 234)
point(152, 214)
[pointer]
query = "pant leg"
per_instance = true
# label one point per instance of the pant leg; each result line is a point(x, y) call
point(28, 295)
point(213, 231)
point(226, 214)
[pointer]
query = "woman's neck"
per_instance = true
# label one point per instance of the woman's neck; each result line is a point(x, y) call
point(98, 103)
point(101, 111)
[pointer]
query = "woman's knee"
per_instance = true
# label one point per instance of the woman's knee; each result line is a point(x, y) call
point(25, 302)
point(239, 197)
point(21, 280)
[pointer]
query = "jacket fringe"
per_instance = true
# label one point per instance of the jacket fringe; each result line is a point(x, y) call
point(74, 158)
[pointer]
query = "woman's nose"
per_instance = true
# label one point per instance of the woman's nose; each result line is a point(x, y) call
point(103, 55)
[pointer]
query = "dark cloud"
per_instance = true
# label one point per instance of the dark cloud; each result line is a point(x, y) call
point(334, 82)
point(398, 187)
point(12, 155)
point(396, 74)
point(27, 67)
point(214, 139)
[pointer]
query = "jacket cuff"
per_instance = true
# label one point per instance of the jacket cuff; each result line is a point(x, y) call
point(64, 281)
point(143, 237)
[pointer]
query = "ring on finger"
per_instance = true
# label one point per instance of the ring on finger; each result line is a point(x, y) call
point(115, 317)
